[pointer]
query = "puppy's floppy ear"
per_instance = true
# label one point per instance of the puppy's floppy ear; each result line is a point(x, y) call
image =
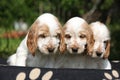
point(62, 41)
point(32, 38)
point(90, 42)
point(107, 50)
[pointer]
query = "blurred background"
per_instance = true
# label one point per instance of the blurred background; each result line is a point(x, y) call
point(16, 16)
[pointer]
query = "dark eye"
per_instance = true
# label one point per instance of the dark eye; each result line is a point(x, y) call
point(67, 36)
point(105, 42)
point(82, 36)
point(57, 36)
point(42, 36)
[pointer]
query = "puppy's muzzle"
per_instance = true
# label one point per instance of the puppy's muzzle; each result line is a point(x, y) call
point(75, 49)
point(51, 49)
point(98, 53)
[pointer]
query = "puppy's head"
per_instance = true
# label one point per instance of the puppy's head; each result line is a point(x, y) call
point(102, 40)
point(46, 35)
point(78, 36)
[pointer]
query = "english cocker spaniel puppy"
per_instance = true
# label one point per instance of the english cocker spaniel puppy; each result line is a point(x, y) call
point(102, 40)
point(78, 36)
point(101, 49)
point(43, 40)
point(79, 43)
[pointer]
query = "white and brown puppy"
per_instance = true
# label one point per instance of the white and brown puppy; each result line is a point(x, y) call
point(102, 40)
point(78, 36)
point(44, 38)
point(79, 42)
point(101, 49)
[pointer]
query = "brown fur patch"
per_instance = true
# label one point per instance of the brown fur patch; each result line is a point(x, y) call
point(90, 39)
point(75, 46)
point(89, 35)
point(62, 46)
point(107, 51)
point(99, 48)
point(33, 35)
point(62, 41)
point(32, 38)
point(43, 29)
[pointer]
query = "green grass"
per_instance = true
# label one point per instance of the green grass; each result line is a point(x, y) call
point(8, 46)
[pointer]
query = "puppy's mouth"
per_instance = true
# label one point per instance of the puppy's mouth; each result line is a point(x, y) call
point(51, 50)
point(97, 54)
point(47, 51)
point(75, 50)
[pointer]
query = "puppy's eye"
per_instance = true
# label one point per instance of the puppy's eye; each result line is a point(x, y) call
point(42, 36)
point(105, 42)
point(82, 36)
point(67, 36)
point(57, 36)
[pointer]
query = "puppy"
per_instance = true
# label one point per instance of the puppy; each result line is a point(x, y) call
point(43, 40)
point(79, 42)
point(102, 40)
point(78, 36)
point(101, 49)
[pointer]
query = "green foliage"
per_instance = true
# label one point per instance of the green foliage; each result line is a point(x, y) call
point(107, 4)
point(16, 9)
point(115, 41)
point(8, 46)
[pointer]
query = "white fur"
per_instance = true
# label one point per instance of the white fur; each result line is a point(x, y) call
point(73, 27)
point(73, 60)
point(79, 61)
point(19, 58)
point(23, 57)
point(12, 60)
point(101, 34)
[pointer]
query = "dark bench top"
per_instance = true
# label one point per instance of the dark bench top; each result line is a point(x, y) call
point(37, 73)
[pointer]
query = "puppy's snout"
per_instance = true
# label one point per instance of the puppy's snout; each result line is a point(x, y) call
point(98, 53)
point(50, 49)
point(74, 49)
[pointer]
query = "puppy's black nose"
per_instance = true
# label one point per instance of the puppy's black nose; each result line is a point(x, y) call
point(74, 49)
point(98, 53)
point(50, 49)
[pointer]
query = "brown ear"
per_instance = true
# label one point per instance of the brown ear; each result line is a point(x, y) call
point(32, 38)
point(90, 42)
point(62, 41)
point(107, 50)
